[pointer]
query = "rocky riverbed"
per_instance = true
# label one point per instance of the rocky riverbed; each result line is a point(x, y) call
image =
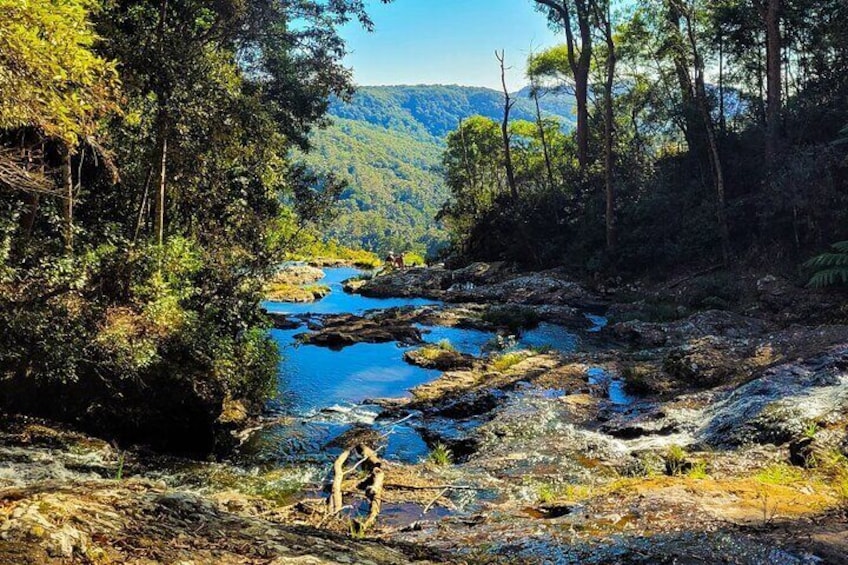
point(703, 435)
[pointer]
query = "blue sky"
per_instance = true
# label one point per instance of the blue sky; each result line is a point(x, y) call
point(446, 42)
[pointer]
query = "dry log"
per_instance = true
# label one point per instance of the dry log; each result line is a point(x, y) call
point(370, 455)
point(374, 493)
point(336, 501)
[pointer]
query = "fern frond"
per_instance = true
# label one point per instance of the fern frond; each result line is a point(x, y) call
point(828, 260)
point(830, 268)
point(828, 277)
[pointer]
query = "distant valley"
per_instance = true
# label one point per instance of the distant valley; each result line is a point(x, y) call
point(387, 143)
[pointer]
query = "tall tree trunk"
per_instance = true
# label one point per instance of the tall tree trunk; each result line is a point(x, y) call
point(68, 204)
point(508, 103)
point(162, 135)
point(721, 113)
point(609, 129)
point(693, 124)
point(579, 65)
point(162, 162)
point(544, 139)
point(31, 200)
point(712, 144)
point(609, 157)
point(472, 176)
point(581, 92)
point(581, 82)
point(770, 14)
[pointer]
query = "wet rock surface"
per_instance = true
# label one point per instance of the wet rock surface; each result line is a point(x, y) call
point(440, 358)
point(340, 331)
point(713, 437)
point(717, 323)
point(430, 283)
point(63, 500)
point(482, 283)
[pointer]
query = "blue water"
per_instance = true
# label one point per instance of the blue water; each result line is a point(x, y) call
point(325, 391)
point(313, 377)
point(615, 387)
point(340, 302)
point(476, 342)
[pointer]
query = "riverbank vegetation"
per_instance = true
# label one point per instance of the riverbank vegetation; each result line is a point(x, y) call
point(708, 133)
point(147, 193)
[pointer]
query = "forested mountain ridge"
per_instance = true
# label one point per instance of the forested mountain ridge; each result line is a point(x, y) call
point(387, 142)
point(435, 110)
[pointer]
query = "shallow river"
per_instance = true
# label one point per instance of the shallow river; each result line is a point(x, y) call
point(323, 392)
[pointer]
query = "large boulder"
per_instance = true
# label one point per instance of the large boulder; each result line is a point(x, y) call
point(708, 362)
point(546, 287)
point(482, 282)
point(708, 323)
point(429, 282)
point(337, 332)
point(481, 273)
point(298, 275)
point(779, 405)
point(438, 357)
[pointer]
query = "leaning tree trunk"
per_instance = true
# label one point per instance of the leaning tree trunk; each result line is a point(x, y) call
point(712, 144)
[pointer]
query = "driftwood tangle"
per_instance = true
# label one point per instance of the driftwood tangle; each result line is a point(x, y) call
point(373, 484)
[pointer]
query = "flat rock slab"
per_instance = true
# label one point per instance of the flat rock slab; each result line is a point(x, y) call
point(338, 332)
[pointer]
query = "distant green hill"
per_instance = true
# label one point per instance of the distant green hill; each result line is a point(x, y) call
point(387, 142)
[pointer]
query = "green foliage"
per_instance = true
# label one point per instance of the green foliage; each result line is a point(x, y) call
point(50, 76)
point(675, 460)
point(506, 361)
point(358, 257)
point(394, 189)
point(119, 472)
point(441, 455)
point(547, 493)
point(831, 268)
point(664, 171)
point(130, 336)
point(810, 430)
point(779, 474)
point(387, 142)
point(698, 471)
point(412, 259)
point(432, 111)
point(446, 345)
point(552, 63)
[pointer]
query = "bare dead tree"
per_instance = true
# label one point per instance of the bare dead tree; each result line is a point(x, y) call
point(508, 104)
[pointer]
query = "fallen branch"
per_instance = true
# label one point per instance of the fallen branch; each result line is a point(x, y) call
point(336, 501)
point(432, 502)
point(374, 493)
point(434, 487)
